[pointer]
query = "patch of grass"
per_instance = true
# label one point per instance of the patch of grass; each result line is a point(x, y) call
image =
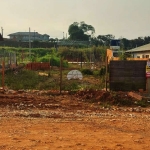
point(23, 79)
point(71, 85)
point(27, 79)
point(105, 105)
point(142, 103)
point(120, 99)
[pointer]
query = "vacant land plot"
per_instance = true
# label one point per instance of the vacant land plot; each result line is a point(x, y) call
point(67, 122)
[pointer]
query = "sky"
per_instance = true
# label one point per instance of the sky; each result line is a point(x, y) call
point(122, 18)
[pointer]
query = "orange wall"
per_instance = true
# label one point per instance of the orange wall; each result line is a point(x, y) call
point(110, 56)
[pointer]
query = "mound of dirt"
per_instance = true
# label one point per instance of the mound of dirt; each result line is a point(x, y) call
point(119, 98)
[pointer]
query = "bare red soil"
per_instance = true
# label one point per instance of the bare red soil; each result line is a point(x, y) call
point(41, 121)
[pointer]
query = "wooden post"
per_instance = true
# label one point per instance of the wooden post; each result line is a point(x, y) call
point(3, 74)
point(60, 75)
point(106, 72)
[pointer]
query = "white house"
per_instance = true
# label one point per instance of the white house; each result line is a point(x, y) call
point(24, 36)
point(140, 52)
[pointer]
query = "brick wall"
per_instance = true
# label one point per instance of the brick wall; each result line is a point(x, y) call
point(38, 66)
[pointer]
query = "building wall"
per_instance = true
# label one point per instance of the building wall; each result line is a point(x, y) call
point(135, 56)
point(32, 37)
point(141, 54)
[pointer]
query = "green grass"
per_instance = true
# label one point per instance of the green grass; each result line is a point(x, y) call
point(26, 79)
point(22, 80)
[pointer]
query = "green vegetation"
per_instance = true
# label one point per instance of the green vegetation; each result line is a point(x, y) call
point(25, 79)
point(80, 31)
point(87, 72)
point(71, 53)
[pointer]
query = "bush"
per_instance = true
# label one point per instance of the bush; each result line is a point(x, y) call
point(55, 61)
point(142, 103)
point(72, 85)
point(102, 71)
point(96, 72)
point(87, 72)
point(24, 79)
point(44, 59)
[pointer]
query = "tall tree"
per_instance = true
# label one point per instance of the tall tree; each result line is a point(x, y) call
point(125, 44)
point(80, 31)
point(105, 39)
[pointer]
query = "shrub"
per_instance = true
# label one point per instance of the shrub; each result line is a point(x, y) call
point(87, 72)
point(44, 59)
point(102, 71)
point(95, 72)
point(72, 85)
point(55, 61)
point(24, 79)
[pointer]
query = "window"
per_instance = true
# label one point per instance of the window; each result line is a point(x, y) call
point(147, 56)
point(138, 56)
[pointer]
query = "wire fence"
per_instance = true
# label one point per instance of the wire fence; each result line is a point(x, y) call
point(9, 59)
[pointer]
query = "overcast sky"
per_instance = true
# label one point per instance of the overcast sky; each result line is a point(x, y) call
point(122, 18)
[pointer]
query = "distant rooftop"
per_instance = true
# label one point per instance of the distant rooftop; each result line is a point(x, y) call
point(27, 33)
point(140, 48)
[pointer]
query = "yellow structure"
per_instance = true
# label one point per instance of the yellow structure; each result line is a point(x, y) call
point(110, 55)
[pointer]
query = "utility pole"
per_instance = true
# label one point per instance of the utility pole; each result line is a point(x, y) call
point(63, 35)
point(2, 31)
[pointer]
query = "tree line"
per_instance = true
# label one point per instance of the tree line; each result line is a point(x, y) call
point(84, 32)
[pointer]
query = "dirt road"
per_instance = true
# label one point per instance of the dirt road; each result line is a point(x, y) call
point(48, 122)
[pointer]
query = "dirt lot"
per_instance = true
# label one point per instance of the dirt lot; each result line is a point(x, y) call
point(37, 121)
